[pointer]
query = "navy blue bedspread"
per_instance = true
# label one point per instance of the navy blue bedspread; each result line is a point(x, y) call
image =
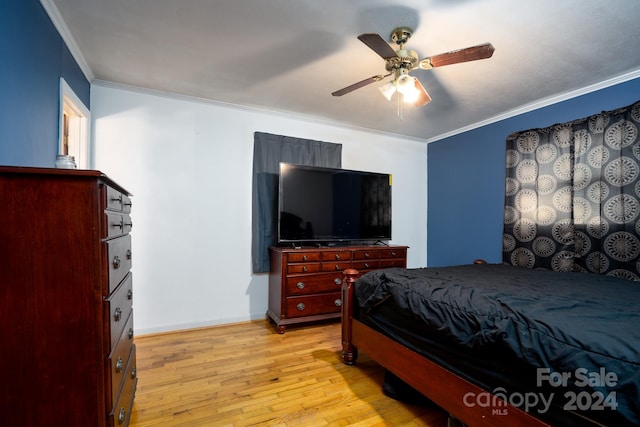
point(570, 338)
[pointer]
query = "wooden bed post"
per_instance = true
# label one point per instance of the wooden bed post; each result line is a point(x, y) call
point(349, 351)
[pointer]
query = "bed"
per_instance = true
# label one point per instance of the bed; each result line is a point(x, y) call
point(499, 345)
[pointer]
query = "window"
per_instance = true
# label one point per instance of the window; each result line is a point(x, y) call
point(74, 127)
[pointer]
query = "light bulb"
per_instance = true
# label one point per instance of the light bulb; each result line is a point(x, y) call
point(407, 87)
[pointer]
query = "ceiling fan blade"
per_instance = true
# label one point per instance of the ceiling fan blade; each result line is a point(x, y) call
point(472, 53)
point(358, 85)
point(423, 98)
point(378, 45)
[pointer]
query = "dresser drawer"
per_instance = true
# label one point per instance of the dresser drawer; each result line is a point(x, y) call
point(335, 266)
point(313, 284)
point(117, 201)
point(366, 255)
point(309, 305)
point(121, 412)
point(119, 258)
point(303, 256)
point(119, 306)
point(335, 255)
point(311, 267)
point(388, 263)
point(117, 224)
point(393, 253)
point(366, 265)
point(118, 361)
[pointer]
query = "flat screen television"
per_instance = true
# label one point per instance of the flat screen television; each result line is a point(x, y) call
point(326, 206)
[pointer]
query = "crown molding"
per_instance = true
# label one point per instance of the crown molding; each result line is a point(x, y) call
point(541, 103)
point(63, 30)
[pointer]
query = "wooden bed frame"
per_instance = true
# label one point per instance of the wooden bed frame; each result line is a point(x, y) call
point(443, 387)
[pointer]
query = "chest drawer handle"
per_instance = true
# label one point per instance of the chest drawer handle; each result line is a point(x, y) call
point(393, 254)
point(366, 265)
point(122, 416)
point(133, 373)
point(338, 302)
point(366, 254)
point(118, 199)
point(300, 285)
point(119, 364)
point(130, 334)
point(300, 306)
point(129, 254)
point(304, 268)
point(304, 257)
point(337, 267)
point(130, 294)
point(337, 281)
point(116, 262)
point(337, 256)
point(117, 314)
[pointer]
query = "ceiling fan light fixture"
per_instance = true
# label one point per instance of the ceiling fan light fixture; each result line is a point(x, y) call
point(406, 85)
point(387, 90)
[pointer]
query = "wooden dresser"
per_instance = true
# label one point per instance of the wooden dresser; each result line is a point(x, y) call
point(305, 283)
point(66, 316)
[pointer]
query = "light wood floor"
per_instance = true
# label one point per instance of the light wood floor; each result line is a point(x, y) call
point(248, 375)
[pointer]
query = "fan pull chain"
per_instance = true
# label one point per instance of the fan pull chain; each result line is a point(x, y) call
point(400, 106)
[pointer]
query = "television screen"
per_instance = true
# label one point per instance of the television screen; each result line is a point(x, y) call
point(333, 205)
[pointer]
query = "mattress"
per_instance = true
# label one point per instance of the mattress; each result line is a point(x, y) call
point(561, 346)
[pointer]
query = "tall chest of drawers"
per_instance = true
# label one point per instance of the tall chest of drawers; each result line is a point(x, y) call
point(66, 299)
point(305, 283)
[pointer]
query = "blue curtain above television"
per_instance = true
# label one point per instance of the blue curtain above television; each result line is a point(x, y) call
point(268, 151)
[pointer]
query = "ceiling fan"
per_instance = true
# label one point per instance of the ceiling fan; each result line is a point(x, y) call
point(401, 62)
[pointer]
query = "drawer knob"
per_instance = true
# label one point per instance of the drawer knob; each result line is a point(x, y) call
point(366, 254)
point(300, 285)
point(304, 268)
point(337, 256)
point(130, 334)
point(116, 262)
point(337, 281)
point(128, 253)
point(130, 294)
point(119, 364)
point(337, 267)
point(338, 302)
point(393, 254)
point(300, 306)
point(366, 265)
point(118, 199)
point(133, 373)
point(117, 314)
point(122, 415)
point(304, 257)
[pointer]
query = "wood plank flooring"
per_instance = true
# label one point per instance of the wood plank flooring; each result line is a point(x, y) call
point(248, 375)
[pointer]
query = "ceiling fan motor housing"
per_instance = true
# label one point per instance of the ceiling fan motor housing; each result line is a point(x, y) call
point(406, 59)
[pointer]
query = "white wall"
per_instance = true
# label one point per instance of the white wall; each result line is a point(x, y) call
point(188, 164)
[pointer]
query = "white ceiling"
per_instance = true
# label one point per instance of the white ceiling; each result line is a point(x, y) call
point(289, 55)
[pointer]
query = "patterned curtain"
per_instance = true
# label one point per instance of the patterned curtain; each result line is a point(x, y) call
point(572, 196)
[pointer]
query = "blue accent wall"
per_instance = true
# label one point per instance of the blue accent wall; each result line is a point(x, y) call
point(465, 177)
point(34, 57)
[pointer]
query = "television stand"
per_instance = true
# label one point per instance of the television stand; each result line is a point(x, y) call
point(305, 283)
